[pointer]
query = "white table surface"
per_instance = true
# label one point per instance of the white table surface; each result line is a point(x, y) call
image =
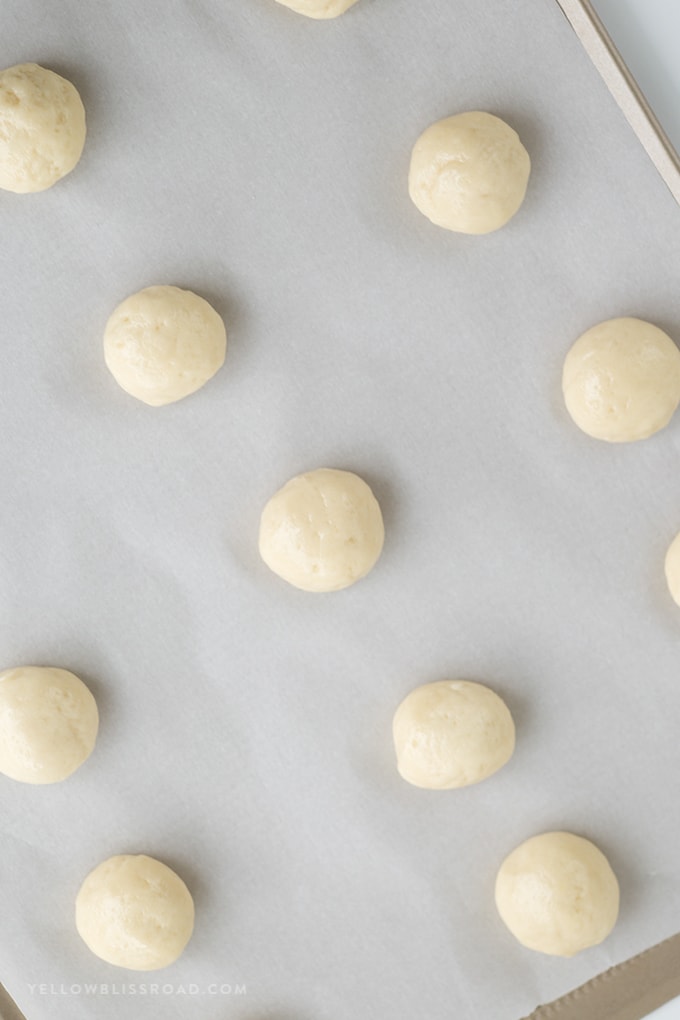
point(647, 33)
point(671, 1011)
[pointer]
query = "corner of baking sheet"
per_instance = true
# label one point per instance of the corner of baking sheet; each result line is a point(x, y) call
point(8, 1008)
point(629, 991)
point(625, 90)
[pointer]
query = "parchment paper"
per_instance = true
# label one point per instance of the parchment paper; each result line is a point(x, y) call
point(260, 158)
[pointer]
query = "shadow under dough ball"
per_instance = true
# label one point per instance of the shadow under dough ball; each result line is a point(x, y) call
point(469, 173)
point(621, 380)
point(163, 343)
point(42, 128)
point(135, 912)
point(322, 531)
point(48, 724)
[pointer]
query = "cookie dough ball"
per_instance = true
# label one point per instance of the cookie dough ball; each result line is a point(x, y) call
point(48, 724)
point(672, 569)
point(135, 912)
point(557, 894)
point(322, 531)
point(164, 343)
point(469, 173)
point(452, 733)
point(42, 128)
point(319, 8)
point(621, 380)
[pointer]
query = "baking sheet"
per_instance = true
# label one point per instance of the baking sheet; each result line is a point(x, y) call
point(260, 158)
point(647, 985)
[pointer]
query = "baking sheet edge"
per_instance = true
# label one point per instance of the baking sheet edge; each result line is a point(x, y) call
point(625, 90)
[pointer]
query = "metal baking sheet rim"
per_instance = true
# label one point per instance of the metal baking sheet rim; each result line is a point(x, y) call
point(625, 90)
point(8, 1008)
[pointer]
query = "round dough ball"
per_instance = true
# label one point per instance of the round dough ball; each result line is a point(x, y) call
point(319, 8)
point(621, 380)
point(164, 343)
point(135, 912)
point(42, 128)
point(469, 173)
point(672, 569)
point(452, 733)
point(322, 531)
point(557, 894)
point(48, 724)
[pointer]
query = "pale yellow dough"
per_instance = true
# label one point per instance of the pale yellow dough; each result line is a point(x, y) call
point(48, 724)
point(322, 531)
point(672, 569)
point(42, 128)
point(469, 173)
point(557, 894)
point(164, 343)
point(134, 912)
point(452, 733)
point(621, 380)
point(319, 8)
